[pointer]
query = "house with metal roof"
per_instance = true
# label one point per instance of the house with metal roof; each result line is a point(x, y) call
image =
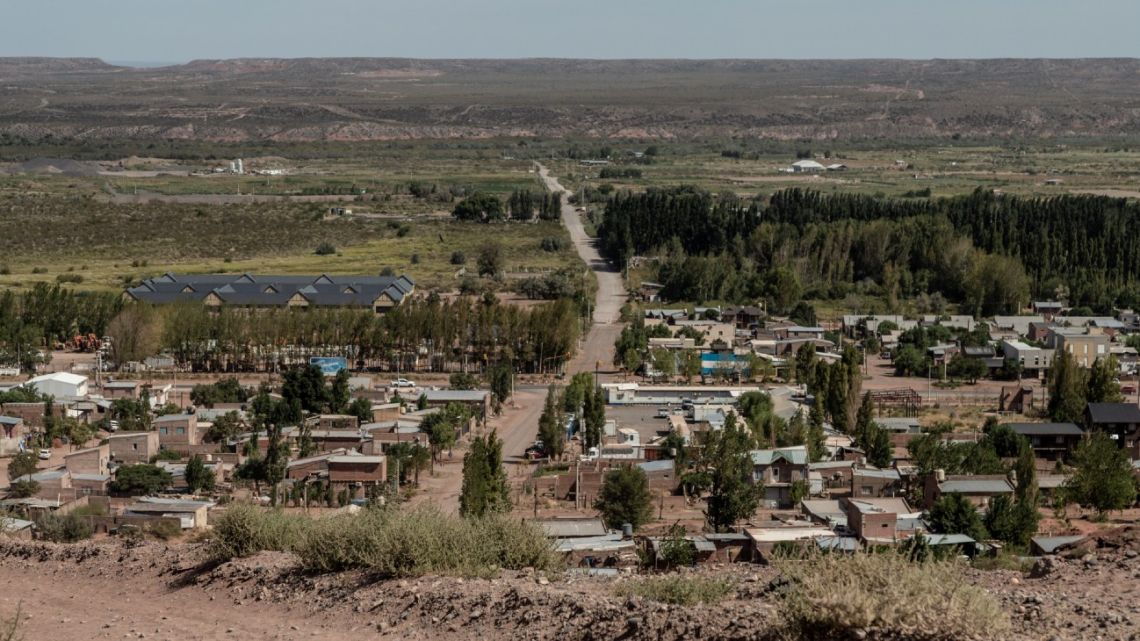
point(1119, 420)
point(1050, 441)
point(378, 293)
point(778, 469)
point(978, 489)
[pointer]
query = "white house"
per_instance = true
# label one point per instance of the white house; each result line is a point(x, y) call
point(60, 385)
point(806, 166)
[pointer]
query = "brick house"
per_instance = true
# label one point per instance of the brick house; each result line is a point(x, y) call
point(12, 432)
point(176, 430)
point(875, 520)
point(133, 447)
point(870, 482)
point(94, 460)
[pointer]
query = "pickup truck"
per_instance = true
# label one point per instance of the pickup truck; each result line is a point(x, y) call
point(402, 382)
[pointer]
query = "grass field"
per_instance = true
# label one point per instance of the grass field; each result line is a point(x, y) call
point(72, 228)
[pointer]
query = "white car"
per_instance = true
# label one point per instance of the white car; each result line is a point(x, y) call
point(44, 454)
point(402, 382)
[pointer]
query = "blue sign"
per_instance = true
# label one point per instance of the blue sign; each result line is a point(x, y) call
point(330, 365)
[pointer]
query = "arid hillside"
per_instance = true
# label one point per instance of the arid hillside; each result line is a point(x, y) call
point(392, 99)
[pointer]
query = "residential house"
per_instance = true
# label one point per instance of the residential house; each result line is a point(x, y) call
point(1013, 326)
point(355, 472)
point(807, 167)
point(114, 390)
point(1085, 348)
point(477, 401)
point(94, 460)
point(745, 317)
point(177, 430)
point(1120, 420)
point(129, 448)
point(337, 422)
point(978, 489)
point(1035, 360)
point(1050, 441)
point(377, 293)
point(778, 470)
point(1047, 308)
point(871, 482)
point(12, 433)
point(193, 514)
point(875, 520)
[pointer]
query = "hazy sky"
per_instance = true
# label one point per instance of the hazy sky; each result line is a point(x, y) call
point(180, 30)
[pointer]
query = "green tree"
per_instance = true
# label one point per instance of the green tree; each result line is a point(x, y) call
point(22, 464)
point(361, 408)
point(1103, 386)
point(306, 385)
point(624, 498)
point(443, 428)
point(837, 397)
point(550, 424)
point(805, 366)
point(732, 494)
point(864, 419)
point(140, 479)
point(480, 207)
point(690, 364)
point(877, 445)
point(665, 363)
point(490, 261)
point(485, 488)
point(955, 514)
point(462, 381)
point(339, 392)
point(276, 458)
point(816, 439)
point(224, 428)
point(1066, 390)
point(502, 378)
point(199, 478)
point(1014, 522)
point(1103, 478)
point(594, 417)
point(23, 489)
point(677, 551)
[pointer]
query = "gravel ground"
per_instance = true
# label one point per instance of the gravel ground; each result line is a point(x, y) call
point(103, 590)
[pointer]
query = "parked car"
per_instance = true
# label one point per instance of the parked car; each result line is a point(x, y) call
point(590, 455)
point(663, 412)
point(44, 454)
point(402, 382)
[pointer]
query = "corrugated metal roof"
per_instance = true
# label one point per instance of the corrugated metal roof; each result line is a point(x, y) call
point(975, 486)
point(663, 465)
point(571, 527)
point(1050, 544)
point(1047, 429)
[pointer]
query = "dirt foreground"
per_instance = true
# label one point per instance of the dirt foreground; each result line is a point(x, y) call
point(105, 590)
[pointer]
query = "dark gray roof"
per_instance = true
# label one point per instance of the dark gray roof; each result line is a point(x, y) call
point(1114, 412)
point(256, 290)
point(1046, 429)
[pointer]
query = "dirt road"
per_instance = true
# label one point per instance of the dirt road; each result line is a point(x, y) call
point(597, 349)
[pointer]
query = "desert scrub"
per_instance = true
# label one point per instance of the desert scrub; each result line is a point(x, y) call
point(389, 542)
point(678, 589)
point(832, 596)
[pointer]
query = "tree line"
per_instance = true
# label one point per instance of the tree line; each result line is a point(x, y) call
point(989, 252)
point(522, 205)
point(432, 334)
point(46, 315)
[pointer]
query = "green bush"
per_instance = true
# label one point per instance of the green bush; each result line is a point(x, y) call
point(678, 589)
point(325, 249)
point(68, 528)
point(833, 596)
point(389, 542)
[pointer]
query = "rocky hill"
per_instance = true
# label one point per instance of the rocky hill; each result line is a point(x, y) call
point(391, 98)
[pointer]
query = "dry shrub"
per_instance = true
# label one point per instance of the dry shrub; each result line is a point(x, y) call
point(678, 589)
point(831, 596)
point(389, 542)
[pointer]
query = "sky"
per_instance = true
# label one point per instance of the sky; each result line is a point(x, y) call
point(181, 30)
